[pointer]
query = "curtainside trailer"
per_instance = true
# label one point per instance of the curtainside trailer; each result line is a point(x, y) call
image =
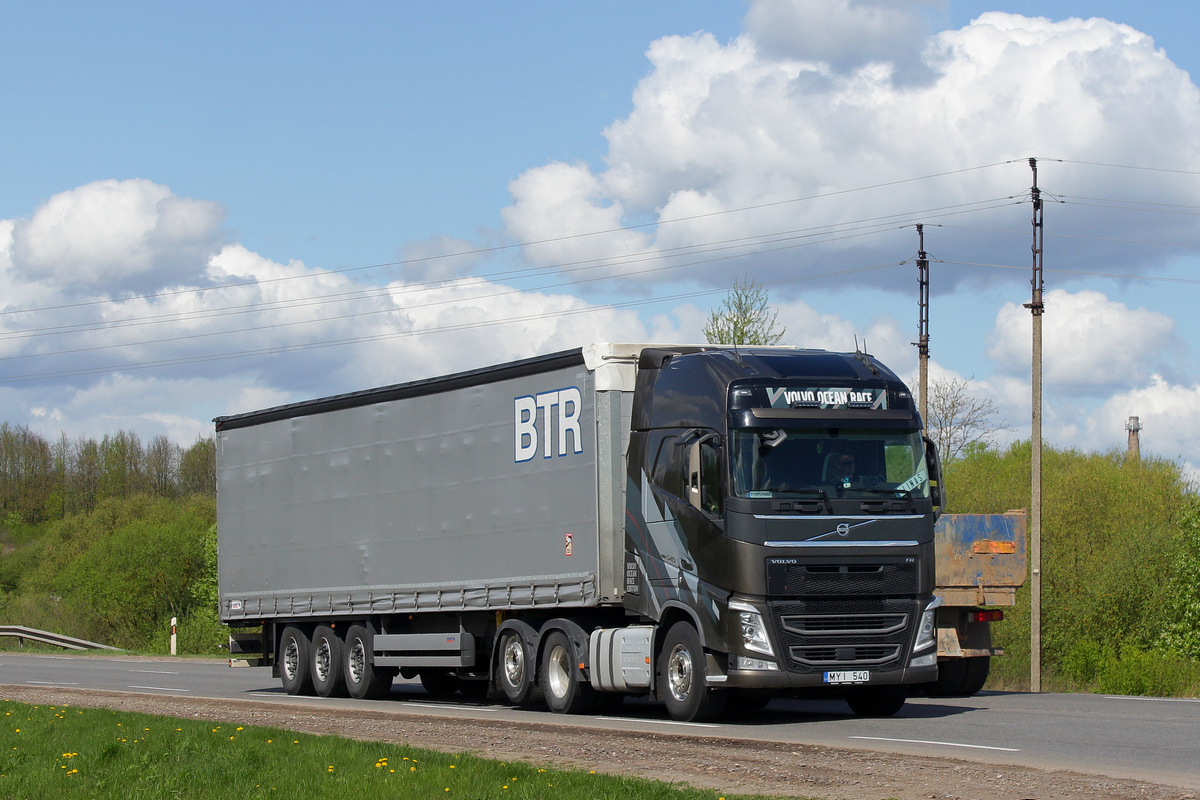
point(688, 523)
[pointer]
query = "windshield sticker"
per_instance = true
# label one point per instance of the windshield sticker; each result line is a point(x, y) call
point(784, 397)
point(913, 482)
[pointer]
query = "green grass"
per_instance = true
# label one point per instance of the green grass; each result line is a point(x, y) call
point(65, 752)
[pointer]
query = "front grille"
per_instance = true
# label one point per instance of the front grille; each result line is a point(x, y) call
point(815, 635)
point(886, 576)
point(864, 655)
point(829, 624)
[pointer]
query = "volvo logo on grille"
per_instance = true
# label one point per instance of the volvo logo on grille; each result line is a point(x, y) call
point(843, 529)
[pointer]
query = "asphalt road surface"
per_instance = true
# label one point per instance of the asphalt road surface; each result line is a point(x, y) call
point(1152, 739)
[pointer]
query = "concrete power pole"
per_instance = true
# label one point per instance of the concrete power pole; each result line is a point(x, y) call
point(1035, 500)
point(922, 342)
point(1134, 451)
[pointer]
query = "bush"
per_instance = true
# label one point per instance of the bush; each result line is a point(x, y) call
point(1112, 533)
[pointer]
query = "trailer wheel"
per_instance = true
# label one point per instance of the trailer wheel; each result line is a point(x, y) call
point(976, 676)
point(682, 677)
point(566, 691)
point(364, 680)
point(877, 701)
point(516, 673)
point(295, 661)
point(327, 663)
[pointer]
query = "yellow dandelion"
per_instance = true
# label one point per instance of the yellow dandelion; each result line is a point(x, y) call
point(451, 766)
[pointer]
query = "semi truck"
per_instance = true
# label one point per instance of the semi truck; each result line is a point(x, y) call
point(689, 523)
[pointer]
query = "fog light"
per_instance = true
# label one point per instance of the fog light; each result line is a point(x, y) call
point(742, 662)
point(924, 661)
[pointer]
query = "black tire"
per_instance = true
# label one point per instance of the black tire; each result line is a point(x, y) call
point(952, 676)
point(877, 701)
point(565, 689)
point(682, 677)
point(977, 671)
point(516, 670)
point(295, 661)
point(363, 679)
point(439, 681)
point(328, 663)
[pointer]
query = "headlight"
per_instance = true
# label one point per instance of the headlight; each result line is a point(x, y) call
point(754, 632)
point(927, 632)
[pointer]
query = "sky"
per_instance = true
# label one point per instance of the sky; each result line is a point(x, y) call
point(211, 208)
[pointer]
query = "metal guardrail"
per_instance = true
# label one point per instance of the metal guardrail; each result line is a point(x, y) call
point(46, 637)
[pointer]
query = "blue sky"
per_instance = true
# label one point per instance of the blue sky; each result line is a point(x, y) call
point(185, 148)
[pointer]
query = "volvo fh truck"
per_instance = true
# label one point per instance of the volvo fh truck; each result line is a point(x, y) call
point(696, 524)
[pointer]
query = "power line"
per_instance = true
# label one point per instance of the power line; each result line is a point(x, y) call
point(851, 229)
point(499, 248)
point(112, 368)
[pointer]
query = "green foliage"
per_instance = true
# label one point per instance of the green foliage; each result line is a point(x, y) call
point(745, 317)
point(1181, 633)
point(1113, 531)
point(42, 480)
point(118, 574)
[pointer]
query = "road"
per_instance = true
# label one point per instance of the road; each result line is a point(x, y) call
point(1149, 739)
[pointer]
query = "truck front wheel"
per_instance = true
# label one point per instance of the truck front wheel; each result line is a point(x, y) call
point(566, 691)
point(364, 680)
point(295, 661)
point(682, 677)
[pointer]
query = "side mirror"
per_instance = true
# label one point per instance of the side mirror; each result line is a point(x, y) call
point(936, 487)
point(703, 483)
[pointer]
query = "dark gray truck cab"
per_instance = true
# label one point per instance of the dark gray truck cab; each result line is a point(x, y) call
point(782, 503)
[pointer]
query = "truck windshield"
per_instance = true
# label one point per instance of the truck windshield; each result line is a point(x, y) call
point(795, 462)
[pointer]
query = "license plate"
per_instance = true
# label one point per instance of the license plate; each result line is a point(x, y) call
point(852, 676)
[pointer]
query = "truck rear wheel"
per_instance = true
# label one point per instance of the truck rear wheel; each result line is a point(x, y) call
point(877, 701)
point(566, 691)
point(952, 677)
point(682, 677)
point(364, 680)
point(295, 661)
point(976, 676)
point(516, 671)
point(327, 663)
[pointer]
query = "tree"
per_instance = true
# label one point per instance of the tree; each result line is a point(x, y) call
point(745, 317)
point(958, 419)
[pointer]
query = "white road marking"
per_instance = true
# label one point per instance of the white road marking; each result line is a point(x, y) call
point(943, 744)
point(160, 688)
point(1159, 699)
point(664, 722)
point(448, 705)
point(154, 671)
point(53, 683)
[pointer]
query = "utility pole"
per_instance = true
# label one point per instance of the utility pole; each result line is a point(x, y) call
point(922, 342)
point(1035, 501)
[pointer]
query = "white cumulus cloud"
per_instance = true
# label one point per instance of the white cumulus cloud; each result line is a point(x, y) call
point(112, 235)
point(753, 123)
point(1087, 341)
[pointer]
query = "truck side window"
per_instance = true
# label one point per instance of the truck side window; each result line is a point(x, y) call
point(669, 467)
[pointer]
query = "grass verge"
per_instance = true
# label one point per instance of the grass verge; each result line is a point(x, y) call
point(66, 752)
